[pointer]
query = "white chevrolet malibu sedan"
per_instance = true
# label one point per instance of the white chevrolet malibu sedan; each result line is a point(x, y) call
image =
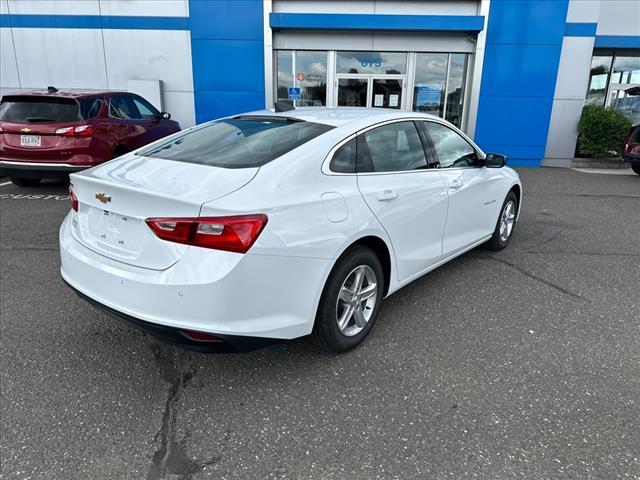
point(269, 226)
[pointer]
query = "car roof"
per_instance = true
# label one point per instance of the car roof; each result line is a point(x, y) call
point(340, 116)
point(64, 93)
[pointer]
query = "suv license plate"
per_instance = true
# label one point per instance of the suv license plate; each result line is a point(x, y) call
point(30, 140)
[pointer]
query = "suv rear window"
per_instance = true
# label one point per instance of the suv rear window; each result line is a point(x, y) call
point(241, 142)
point(32, 109)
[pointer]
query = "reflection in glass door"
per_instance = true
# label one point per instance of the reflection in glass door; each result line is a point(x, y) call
point(352, 92)
point(628, 104)
point(386, 93)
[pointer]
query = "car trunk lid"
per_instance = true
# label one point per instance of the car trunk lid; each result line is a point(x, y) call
point(117, 197)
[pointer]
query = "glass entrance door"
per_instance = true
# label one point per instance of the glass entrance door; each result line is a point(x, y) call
point(386, 92)
point(353, 92)
point(370, 91)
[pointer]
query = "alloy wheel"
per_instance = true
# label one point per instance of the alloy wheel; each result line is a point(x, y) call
point(356, 300)
point(507, 219)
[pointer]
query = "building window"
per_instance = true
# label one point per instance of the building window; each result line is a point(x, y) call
point(426, 82)
point(303, 69)
point(284, 67)
point(431, 76)
point(626, 70)
point(599, 79)
point(382, 63)
point(612, 74)
point(455, 88)
point(439, 85)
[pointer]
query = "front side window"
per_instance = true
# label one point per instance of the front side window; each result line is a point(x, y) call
point(395, 147)
point(122, 106)
point(451, 150)
point(241, 142)
point(147, 111)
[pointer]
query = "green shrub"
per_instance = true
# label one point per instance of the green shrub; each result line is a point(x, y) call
point(602, 131)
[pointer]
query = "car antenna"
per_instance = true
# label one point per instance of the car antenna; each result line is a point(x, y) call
point(51, 89)
point(284, 106)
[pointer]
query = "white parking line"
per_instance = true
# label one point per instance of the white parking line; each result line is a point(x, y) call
point(5, 183)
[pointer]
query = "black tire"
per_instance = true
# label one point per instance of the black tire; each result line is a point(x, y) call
point(25, 182)
point(636, 167)
point(498, 240)
point(326, 333)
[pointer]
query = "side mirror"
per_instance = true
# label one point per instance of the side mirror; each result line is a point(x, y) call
point(495, 160)
point(166, 115)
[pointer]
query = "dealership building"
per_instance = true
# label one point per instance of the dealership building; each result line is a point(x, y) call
point(513, 74)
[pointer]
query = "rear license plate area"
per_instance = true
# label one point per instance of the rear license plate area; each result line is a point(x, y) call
point(30, 140)
point(113, 230)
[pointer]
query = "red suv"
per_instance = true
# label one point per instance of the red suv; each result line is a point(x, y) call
point(49, 134)
point(632, 143)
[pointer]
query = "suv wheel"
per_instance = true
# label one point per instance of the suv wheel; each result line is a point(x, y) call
point(636, 167)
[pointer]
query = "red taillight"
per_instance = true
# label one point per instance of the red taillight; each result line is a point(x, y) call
point(81, 131)
point(232, 234)
point(73, 198)
point(65, 131)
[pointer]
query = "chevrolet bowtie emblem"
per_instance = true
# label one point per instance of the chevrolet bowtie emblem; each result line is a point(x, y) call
point(25, 130)
point(103, 197)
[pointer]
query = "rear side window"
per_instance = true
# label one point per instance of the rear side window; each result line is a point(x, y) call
point(239, 142)
point(344, 159)
point(90, 107)
point(33, 109)
point(391, 148)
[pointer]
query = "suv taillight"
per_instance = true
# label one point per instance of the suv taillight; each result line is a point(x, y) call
point(232, 234)
point(81, 131)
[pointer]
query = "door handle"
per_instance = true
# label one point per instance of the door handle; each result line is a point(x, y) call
point(387, 195)
point(455, 184)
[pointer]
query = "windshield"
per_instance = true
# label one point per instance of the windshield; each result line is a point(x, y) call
point(241, 142)
point(31, 109)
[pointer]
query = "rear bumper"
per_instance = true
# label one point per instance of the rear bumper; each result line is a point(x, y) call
point(39, 169)
point(227, 343)
point(224, 294)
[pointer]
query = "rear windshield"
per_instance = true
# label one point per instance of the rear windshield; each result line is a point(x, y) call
point(241, 142)
point(26, 109)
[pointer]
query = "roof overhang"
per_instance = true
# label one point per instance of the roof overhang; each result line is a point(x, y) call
point(412, 23)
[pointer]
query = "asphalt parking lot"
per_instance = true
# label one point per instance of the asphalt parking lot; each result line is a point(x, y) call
point(518, 364)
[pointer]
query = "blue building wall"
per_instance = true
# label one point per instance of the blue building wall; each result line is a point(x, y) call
point(524, 42)
point(227, 48)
